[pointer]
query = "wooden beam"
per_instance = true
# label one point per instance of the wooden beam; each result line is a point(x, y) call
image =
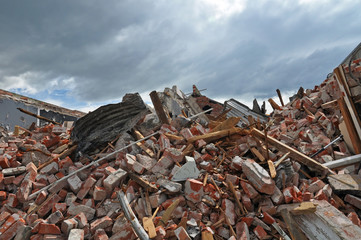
point(296, 155)
point(38, 116)
point(351, 129)
point(217, 135)
point(274, 105)
point(280, 97)
point(227, 124)
point(158, 107)
point(292, 226)
point(329, 104)
point(257, 154)
point(341, 79)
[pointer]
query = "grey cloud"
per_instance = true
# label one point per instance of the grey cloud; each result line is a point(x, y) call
point(115, 47)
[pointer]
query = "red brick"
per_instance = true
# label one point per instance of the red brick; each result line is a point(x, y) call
point(247, 220)
point(24, 190)
point(100, 235)
point(82, 220)
point(228, 207)
point(11, 231)
point(12, 200)
point(181, 234)
point(48, 206)
point(85, 187)
point(9, 180)
point(193, 190)
point(260, 232)
point(268, 218)
point(249, 190)
point(247, 203)
point(354, 218)
point(46, 228)
point(355, 201)
point(65, 163)
point(9, 221)
point(4, 162)
point(103, 222)
point(242, 231)
point(76, 234)
point(68, 224)
point(41, 197)
point(99, 193)
point(3, 217)
point(2, 195)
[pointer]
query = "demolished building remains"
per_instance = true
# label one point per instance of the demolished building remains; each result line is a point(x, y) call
point(191, 168)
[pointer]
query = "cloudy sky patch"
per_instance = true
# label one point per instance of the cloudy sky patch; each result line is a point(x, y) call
point(83, 54)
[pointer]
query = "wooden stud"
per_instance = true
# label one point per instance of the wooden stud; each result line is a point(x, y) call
point(296, 155)
point(158, 107)
point(280, 97)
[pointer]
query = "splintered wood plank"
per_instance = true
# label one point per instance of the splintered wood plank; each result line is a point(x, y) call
point(174, 137)
point(274, 105)
point(294, 154)
point(295, 232)
point(345, 183)
point(217, 135)
point(227, 124)
point(327, 222)
point(351, 128)
point(280, 97)
point(257, 154)
point(272, 169)
point(158, 107)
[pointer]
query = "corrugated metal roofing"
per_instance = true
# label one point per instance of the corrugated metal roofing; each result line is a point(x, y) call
point(240, 110)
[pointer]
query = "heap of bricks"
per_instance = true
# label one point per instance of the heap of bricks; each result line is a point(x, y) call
point(221, 189)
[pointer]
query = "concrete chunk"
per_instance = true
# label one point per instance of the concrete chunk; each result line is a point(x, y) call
point(258, 176)
point(188, 170)
point(114, 179)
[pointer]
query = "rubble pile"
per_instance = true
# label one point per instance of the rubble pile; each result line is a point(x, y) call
point(189, 179)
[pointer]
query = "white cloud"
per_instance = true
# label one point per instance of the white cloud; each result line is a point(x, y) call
point(22, 81)
point(222, 9)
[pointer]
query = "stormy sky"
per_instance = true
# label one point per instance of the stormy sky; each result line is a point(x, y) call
point(82, 54)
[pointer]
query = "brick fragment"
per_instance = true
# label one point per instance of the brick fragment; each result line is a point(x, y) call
point(46, 228)
point(48, 205)
point(74, 210)
point(101, 223)
point(4, 162)
point(181, 234)
point(100, 235)
point(260, 232)
point(85, 187)
point(3, 195)
point(249, 190)
point(228, 207)
point(193, 190)
point(242, 231)
point(68, 225)
point(122, 229)
point(353, 200)
point(99, 193)
point(354, 218)
point(163, 165)
point(113, 180)
point(76, 234)
point(52, 168)
point(10, 232)
point(55, 217)
point(74, 183)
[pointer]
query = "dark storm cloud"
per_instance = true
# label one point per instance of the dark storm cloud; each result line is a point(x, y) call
point(100, 50)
